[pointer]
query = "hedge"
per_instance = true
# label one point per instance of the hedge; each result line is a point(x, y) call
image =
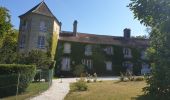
point(9, 78)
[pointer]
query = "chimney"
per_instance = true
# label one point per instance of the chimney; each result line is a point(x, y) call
point(60, 24)
point(75, 27)
point(127, 33)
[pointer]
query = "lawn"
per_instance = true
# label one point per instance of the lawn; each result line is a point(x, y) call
point(109, 90)
point(32, 90)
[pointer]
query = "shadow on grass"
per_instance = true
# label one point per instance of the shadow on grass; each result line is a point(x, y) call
point(144, 97)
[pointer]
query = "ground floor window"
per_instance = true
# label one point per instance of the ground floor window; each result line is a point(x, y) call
point(108, 65)
point(145, 69)
point(65, 64)
point(88, 63)
point(128, 65)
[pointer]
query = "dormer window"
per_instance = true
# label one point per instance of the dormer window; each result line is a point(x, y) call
point(43, 27)
point(67, 48)
point(109, 50)
point(41, 42)
point(127, 53)
point(88, 50)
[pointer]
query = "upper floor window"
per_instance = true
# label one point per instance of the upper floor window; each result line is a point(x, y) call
point(108, 65)
point(43, 26)
point(88, 50)
point(127, 53)
point(67, 48)
point(88, 63)
point(24, 25)
point(41, 42)
point(109, 50)
point(22, 41)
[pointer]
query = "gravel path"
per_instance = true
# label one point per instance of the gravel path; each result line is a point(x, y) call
point(59, 90)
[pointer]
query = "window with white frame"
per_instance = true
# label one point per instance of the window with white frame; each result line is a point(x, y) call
point(88, 63)
point(67, 48)
point(65, 64)
point(127, 52)
point(41, 42)
point(43, 27)
point(108, 65)
point(88, 50)
point(22, 41)
point(109, 50)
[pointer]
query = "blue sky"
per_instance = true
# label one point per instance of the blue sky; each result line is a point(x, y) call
point(107, 17)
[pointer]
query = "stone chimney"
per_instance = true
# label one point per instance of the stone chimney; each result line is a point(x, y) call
point(75, 27)
point(60, 24)
point(127, 33)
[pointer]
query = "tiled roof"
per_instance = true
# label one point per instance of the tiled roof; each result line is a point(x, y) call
point(41, 9)
point(103, 39)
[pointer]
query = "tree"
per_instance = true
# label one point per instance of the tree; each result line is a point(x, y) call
point(5, 22)
point(8, 53)
point(156, 14)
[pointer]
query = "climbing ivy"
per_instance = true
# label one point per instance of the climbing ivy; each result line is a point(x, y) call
point(99, 57)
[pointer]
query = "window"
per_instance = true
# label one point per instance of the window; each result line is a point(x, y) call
point(128, 65)
point(109, 50)
point(41, 42)
point(88, 50)
point(127, 53)
point(22, 41)
point(65, 64)
point(24, 25)
point(143, 55)
point(145, 69)
point(108, 65)
point(88, 63)
point(67, 48)
point(43, 27)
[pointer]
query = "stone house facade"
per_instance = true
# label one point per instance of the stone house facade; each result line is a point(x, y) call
point(40, 30)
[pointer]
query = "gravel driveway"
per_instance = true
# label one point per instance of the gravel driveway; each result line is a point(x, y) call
point(59, 90)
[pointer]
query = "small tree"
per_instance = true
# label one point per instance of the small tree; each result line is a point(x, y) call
point(78, 70)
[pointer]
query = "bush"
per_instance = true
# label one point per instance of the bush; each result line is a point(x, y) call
point(9, 74)
point(139, 78)
point(78, 70)
point(80, 85)
point(122, 77)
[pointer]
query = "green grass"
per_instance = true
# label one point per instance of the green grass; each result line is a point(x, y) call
point(33, 90)
point(110, 90)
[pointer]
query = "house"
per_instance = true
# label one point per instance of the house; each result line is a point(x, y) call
point(105, 55)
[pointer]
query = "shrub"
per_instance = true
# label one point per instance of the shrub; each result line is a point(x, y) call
point(95, 77)
point(9, 74)
point(122, 77)
point(139, 78)
point(78, 70)
point(80, 85)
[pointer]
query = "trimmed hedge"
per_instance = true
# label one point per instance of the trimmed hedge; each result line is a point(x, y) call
point(9, 78)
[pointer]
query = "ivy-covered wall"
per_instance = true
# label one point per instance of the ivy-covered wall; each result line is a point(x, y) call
point(98, 57)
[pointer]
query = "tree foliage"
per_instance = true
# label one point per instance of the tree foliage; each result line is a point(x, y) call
point(156, 14)
point(5, 22)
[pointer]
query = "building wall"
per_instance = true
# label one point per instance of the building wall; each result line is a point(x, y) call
point(32, 32)
point(99, 58)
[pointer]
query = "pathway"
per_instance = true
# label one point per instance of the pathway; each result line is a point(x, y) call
point(59, 90)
